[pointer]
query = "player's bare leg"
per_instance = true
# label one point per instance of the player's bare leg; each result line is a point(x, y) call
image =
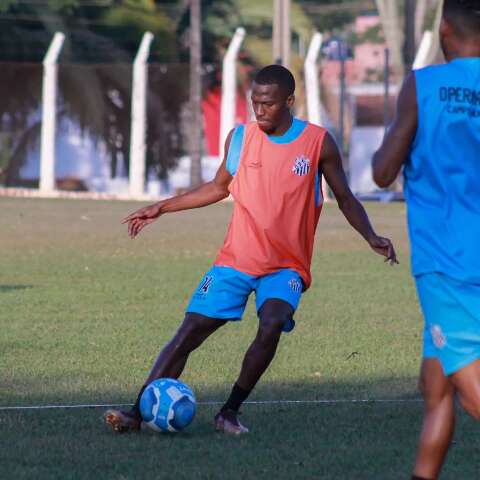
point(194, 330)
point(170, 363)
point(467, 383)
point(438, 420)
point(272, 316)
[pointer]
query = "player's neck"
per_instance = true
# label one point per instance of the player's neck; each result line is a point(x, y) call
point(466, 50)
point(284, 125)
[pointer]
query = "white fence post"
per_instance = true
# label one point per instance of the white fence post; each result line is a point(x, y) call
point(139, 117)
point(423, 53)
point(312, 88)
point(229, 88)
point(49, 115)
point(312, 91)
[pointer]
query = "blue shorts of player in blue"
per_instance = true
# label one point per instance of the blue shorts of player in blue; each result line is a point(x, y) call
point(223, 292)
point(452, 320)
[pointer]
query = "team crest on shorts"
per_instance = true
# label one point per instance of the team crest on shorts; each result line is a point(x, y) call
point(295, 285)
point(438, 337)
point(301, 166)
point(207, 281)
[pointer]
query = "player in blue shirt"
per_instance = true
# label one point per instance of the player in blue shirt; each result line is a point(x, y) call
point(435, 136)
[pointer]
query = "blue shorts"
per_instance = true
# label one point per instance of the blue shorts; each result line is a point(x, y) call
point(452, 320)
point(224, 291)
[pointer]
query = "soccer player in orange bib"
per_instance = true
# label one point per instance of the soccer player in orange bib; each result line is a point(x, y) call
point(273, 169)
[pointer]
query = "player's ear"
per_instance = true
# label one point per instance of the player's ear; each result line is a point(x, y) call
point(290, 100)
point(446, 28)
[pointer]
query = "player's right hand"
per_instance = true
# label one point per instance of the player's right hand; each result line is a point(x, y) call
point(141, 218)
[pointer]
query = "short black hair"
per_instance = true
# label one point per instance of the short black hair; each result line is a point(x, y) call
point(276, 75)
point(464, 15)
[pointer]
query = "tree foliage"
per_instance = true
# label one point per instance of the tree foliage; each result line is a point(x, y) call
point(94, 77)
point(108, 31)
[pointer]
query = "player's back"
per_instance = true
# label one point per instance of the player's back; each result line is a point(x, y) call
point(442, 176)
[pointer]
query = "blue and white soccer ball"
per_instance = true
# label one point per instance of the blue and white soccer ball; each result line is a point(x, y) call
point(167, 405)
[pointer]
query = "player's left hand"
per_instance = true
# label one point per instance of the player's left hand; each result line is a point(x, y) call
point(383, 246)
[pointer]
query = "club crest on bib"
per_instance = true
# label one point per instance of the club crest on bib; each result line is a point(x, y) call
point(301, 166)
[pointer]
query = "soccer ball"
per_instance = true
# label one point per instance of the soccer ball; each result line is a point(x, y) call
point(167, 405)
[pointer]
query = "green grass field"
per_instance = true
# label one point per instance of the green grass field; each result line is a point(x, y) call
point(84, 311)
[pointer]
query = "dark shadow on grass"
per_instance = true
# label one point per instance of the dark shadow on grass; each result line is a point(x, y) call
point(399, 388)
point(306, 441)
point(12, 288)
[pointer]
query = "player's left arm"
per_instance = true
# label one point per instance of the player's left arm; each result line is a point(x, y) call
point(389, 158)
point(332, 169)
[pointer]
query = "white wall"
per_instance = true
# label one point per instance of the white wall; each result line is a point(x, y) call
point(363, 144)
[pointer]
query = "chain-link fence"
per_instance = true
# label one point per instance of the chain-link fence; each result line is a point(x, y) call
point(93, 124)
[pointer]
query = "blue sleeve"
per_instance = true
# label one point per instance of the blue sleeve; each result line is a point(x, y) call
point(318, 179)
point(235, 149)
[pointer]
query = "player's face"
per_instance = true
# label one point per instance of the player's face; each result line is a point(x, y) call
point(270, 106)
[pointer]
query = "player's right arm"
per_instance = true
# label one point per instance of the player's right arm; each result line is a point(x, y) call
point(206, 194)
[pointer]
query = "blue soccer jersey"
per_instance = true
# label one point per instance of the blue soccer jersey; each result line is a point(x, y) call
point(442, 190)
point(442, 175)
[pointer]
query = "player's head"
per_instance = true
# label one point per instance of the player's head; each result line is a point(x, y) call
point(460, 27)
point(272, 96)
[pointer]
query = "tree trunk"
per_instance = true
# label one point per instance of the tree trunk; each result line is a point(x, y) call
point(195, 144)
point(409, 47)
